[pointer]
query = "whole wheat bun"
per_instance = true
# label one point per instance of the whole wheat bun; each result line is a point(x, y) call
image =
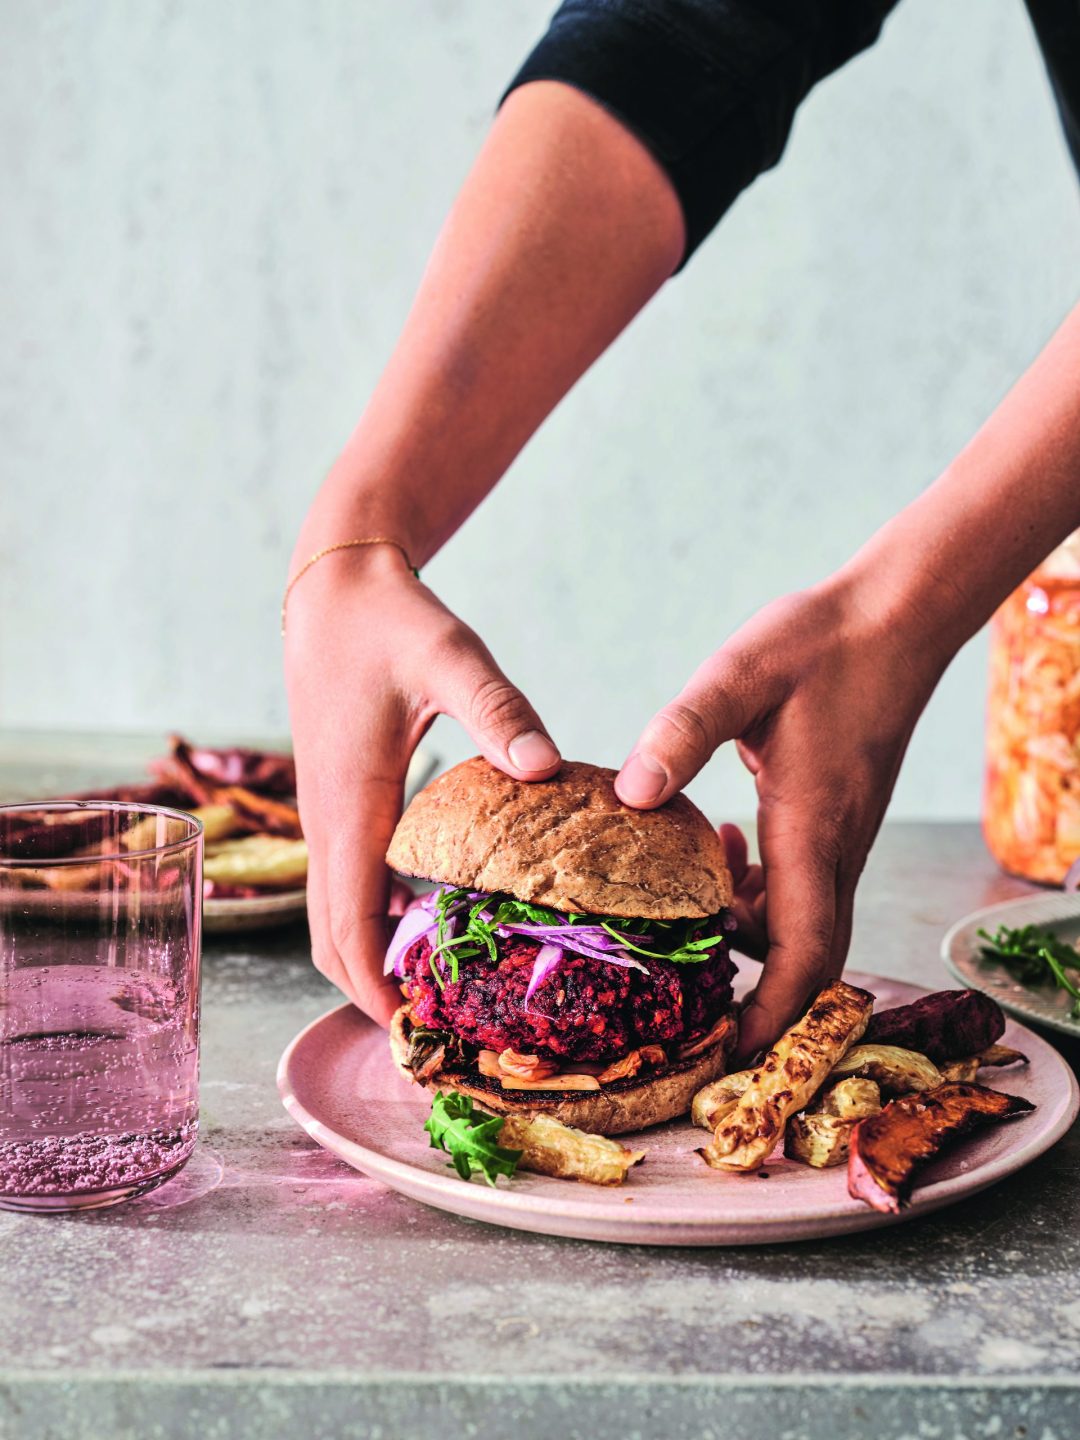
point(615, 1109)
point(568, 843)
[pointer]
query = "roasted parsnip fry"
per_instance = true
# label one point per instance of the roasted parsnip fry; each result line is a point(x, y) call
point(850, 1099)
point(993, 1055)
point(261, 812)
point(219, 821)
point(717, 1099)
point(552, 1148)
point(257, 860)
point(1002, 1055)
point(898, 1071)
point(960, 1070)
point(817, 1139)
point(790, 1076)
point(821, 1137)
point(71, 877)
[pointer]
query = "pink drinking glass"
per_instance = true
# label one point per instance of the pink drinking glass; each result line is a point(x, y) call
point(100, 921)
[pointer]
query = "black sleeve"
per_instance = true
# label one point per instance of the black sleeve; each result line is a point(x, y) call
point(710, 86)
point(1057, 24)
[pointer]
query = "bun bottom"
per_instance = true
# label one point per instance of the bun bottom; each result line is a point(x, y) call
point(618, 1108)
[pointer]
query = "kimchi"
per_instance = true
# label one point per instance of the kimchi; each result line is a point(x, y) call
point(1031, 802)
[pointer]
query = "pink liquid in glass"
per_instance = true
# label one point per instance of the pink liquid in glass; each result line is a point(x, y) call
point(99, 1000)
point(98, 1081)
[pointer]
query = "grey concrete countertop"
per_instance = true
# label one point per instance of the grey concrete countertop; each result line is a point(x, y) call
point(269, 1290)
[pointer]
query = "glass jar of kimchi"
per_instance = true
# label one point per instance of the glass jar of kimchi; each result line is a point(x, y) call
point(1031, 801)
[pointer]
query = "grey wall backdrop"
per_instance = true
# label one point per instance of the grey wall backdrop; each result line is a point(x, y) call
point(212, 218)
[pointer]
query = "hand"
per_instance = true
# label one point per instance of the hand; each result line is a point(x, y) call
point(371, 657)
point(748, 901)
point(821, 698)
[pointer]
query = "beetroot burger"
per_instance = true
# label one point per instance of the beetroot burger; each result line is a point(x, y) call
point(573, 959)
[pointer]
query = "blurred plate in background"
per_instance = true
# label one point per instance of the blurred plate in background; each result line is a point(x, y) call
point(962, 948)
point(42, 765)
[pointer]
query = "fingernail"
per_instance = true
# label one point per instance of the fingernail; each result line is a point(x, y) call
point(532, 751)
point(642, 780)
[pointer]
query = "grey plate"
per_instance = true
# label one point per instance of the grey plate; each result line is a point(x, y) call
point(961, 951)
point(258, 912)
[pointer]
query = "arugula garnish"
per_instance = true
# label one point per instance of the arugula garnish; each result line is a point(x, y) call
point(1035, 953)
point(448, 902)
point(470, 1138)
point(684, 952)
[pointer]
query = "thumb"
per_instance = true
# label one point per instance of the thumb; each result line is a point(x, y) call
point(465, 682)
point(717, 704)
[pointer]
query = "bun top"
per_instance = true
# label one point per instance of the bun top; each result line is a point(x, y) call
point(568, 843)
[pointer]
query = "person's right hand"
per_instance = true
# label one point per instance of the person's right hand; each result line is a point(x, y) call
point(371, 657)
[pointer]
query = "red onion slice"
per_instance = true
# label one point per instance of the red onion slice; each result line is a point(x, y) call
point(580, 940)
point(412, 925)
point(548, 959)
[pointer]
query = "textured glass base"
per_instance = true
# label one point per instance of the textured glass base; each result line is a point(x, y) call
point(89, 1199)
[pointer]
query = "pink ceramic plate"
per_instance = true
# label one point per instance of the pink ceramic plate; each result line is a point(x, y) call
point(337, 1080)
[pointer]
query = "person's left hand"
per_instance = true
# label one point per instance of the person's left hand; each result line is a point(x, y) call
point(821, 691)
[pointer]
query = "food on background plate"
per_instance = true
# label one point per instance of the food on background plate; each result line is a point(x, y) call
point(573, 961)
point(256, 861)
point(1036, 955)
point(253, 841)
point(262, 772)
point(218, 821)
point(789, 1077)
point(889, 1149)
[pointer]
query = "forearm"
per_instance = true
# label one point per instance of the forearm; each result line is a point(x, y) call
point(946, 562)
point(563, 230)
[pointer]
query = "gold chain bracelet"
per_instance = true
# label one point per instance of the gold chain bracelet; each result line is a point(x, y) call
point(342, 545)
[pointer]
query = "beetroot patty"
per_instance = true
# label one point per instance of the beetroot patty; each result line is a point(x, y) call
point(587, 1010)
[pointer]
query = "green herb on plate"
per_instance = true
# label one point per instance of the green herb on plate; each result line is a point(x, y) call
point(1035, 954)
point(470, 1138)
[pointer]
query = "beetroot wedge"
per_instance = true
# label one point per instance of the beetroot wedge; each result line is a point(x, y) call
point(888, 1149)
point(944, 1026)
